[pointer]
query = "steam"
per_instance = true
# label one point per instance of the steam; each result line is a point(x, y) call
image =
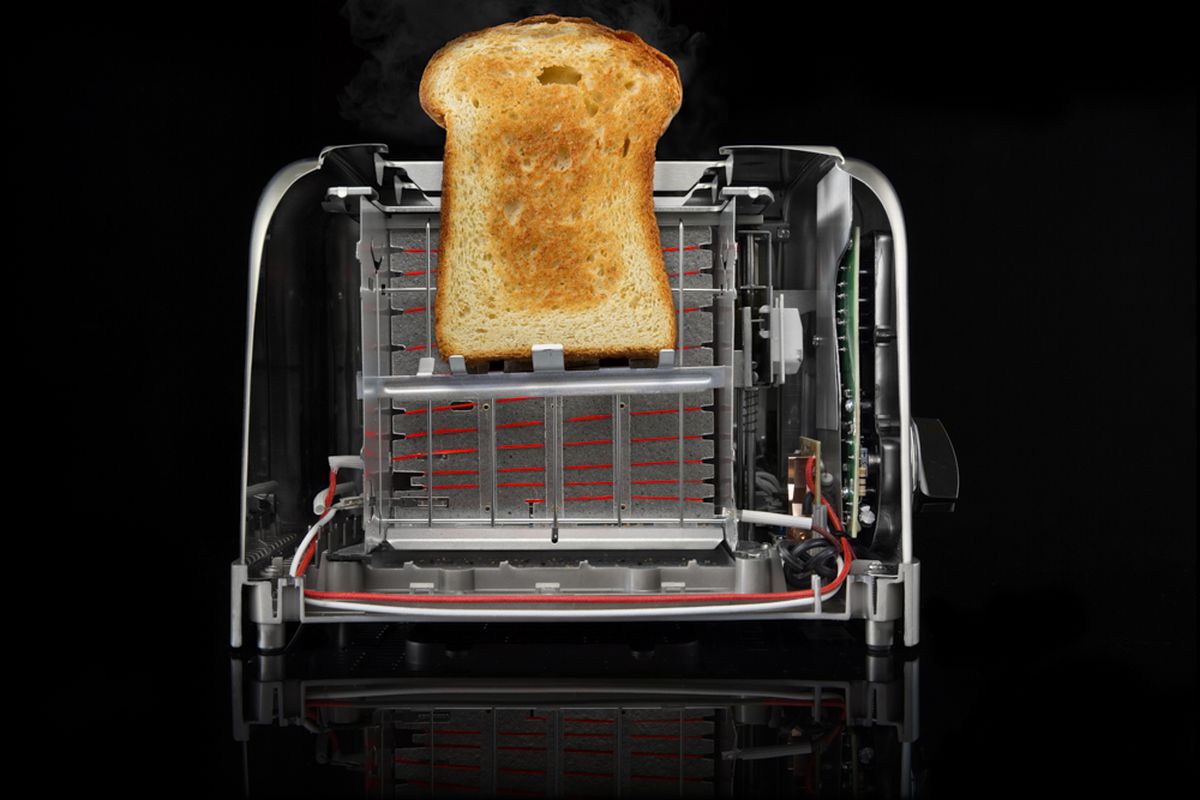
point(399, 37)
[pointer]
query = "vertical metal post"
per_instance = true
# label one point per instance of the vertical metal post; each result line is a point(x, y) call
point(619, 470)
point(486, 438)
point(623, 464)
point(679, 362)
point(552, 445)
point(429, 349)
point(495, 475)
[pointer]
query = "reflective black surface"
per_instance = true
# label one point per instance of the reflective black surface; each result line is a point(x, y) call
point(597, 711)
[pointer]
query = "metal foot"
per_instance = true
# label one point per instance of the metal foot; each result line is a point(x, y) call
point(880, 634)
point(272, 635)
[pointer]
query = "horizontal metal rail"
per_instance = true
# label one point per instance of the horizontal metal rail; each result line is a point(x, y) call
point(572, 383)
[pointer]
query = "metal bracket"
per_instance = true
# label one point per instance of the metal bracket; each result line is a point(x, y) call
point(787, 341)
point(345, 199)
point(760, 197)
point(548, 358)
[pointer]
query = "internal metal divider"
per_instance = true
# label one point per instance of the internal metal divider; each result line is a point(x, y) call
point(429, 460)
point(383, 470)
point(725, 259)
point(618, 432)
point(485, 416)
point(623, 462)
point(679, 362)
point(552, 447)
point(428, 349)
point(560, 510)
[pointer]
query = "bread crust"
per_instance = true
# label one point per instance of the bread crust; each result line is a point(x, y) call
point(543, 229)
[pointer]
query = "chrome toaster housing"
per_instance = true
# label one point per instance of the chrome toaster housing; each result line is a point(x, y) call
point(542, 478)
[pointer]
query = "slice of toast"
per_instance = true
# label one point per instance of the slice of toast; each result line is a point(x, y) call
point(548, 233)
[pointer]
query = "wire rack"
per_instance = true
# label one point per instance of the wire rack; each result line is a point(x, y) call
point(505, 450)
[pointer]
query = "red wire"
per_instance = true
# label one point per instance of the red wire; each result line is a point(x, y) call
point(312, 547)
point(590, 599)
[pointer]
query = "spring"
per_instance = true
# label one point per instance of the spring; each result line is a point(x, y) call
point(266, 549)
point(750, 411)
point(747, 433)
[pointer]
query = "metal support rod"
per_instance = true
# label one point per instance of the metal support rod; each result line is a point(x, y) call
point(429, 349)
point(679, 361)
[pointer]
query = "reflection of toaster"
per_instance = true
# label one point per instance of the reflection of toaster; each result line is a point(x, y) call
point(766, 466)
point(392, 714)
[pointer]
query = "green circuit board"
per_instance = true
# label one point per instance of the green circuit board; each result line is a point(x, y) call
point(846, 306)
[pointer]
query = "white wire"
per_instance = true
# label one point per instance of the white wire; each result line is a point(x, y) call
point(307, 540)
point(756, 517)
point(675, 610)
point(769, 518)
point(319, 498)
point(313, 531)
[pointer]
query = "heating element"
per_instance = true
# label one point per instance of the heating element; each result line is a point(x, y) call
point(690, 485)
point(543, 455)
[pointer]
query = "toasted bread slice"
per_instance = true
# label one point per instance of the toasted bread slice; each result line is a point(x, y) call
point(548, 234)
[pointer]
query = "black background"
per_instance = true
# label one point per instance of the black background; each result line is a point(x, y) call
point(1047, 174)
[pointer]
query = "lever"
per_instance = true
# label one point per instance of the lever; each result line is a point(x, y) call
point(937, 466)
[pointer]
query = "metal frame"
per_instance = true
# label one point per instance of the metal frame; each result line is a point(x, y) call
point(881, 593)
point(690, 211)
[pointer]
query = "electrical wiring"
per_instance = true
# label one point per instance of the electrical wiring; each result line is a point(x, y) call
point(769, 493)
point(693, 605)
point(771, 518)
point(802, 560)
point(308, 544)
point(327, 509)
point(810, 483)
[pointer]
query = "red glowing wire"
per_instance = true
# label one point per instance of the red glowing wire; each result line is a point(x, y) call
point(312, 547)
point(588, 599)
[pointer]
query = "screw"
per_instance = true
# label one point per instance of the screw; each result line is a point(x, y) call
point(849, 406)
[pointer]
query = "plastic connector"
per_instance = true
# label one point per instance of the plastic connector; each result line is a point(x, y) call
point(345, 462)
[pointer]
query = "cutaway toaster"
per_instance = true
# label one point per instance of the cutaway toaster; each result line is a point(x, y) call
point(766, 467)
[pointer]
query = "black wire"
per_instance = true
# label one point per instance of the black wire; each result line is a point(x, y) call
point(802, 560)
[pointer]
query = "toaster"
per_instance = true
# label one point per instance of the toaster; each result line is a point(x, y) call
point(765, 467)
